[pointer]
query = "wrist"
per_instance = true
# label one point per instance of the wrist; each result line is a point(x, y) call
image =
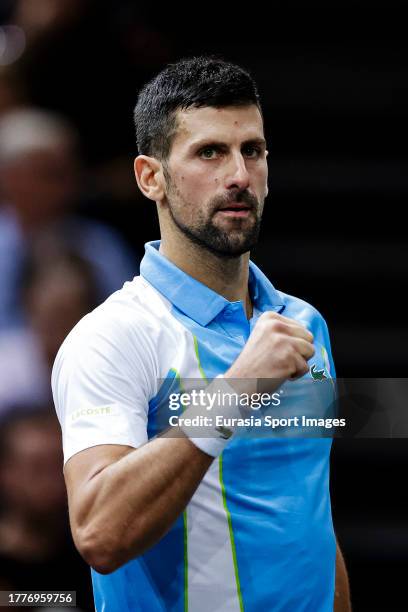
point(239, 381)
point(219, 429)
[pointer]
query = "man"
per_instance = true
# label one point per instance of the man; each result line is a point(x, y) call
point(168, 522)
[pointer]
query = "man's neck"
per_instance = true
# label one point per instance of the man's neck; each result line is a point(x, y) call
point(226, 276)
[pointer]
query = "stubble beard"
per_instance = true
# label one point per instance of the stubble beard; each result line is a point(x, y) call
point(207, 235)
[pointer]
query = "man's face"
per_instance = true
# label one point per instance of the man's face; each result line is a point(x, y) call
point(217, 177)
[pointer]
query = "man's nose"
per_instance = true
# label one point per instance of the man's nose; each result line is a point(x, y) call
point(237, 173)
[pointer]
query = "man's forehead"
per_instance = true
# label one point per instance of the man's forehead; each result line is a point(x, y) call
point(218, 122)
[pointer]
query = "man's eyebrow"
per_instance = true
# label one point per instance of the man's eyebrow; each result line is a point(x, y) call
point(257, 141)
point(209, 142)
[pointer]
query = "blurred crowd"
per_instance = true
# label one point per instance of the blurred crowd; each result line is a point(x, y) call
point(69, 69)
point(73, 225)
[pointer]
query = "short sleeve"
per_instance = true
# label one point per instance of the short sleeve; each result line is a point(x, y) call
point(102, 380)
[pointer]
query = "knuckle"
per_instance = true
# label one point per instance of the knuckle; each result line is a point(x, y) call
point(278, 326)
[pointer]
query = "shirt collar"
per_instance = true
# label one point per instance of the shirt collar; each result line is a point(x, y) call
point(195, 299)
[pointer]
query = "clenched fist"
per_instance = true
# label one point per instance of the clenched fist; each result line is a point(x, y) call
point(278, 349)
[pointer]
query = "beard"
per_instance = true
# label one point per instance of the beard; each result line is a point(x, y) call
point(230, 243)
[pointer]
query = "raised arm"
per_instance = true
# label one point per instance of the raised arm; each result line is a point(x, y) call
point(123, 500)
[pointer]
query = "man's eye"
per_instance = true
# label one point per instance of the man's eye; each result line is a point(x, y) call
point(252, 151)
point(208, 153)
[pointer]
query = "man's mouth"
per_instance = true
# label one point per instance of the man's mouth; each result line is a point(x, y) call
point(235, 209)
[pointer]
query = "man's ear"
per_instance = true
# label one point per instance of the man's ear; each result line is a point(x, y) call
point(150, 177)
point(267, 186)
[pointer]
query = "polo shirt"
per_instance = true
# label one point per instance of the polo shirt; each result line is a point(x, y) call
point(257, 534)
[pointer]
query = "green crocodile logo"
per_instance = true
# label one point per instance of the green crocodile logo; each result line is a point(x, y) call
point(317, 374)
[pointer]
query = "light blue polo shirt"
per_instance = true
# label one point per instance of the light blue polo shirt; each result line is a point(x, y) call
point(257, 535)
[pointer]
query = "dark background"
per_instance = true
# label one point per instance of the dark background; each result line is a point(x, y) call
point(333, 82)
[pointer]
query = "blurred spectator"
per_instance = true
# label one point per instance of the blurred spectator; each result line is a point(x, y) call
point(107, 49)
point(66, 54)
point(36, 550)
point(58, 290)
point(39, 184)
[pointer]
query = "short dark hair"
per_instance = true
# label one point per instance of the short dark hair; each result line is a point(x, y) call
point(192, 82)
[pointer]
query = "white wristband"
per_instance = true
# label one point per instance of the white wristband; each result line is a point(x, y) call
point(216, 434)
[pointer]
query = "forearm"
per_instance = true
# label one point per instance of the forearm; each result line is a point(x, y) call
point(131, 504)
